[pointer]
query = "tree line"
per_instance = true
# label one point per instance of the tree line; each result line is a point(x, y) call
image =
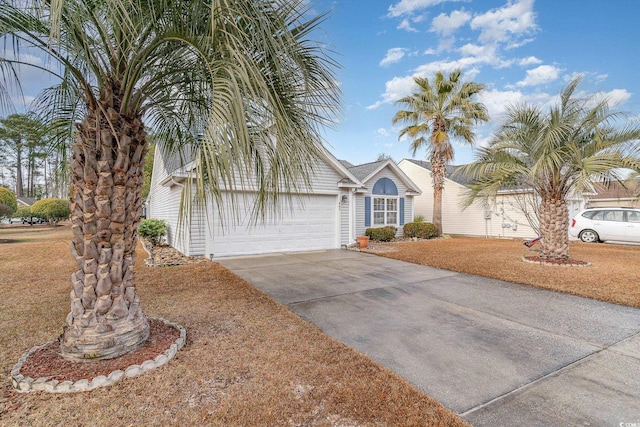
point(29, 164)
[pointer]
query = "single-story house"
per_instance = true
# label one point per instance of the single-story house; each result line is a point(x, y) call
point(342, 202)
point(501, 217)
point(615, 195)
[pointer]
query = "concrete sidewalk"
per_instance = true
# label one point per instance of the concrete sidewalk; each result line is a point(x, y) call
point(497, 353)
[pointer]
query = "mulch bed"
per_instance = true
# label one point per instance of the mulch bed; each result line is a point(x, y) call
point(558, 262)
point(46, 362)
point(163, 255)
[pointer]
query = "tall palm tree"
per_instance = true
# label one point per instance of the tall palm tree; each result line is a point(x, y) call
point(567, 148)
point(434, 113)
point(241, 83)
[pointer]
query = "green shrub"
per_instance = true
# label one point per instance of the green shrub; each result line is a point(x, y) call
point(419, 218)
point(52, 209)
point(382, 234)
point(9, 201)
point(5, 211)
point(423, 230)
point(153, 230)
point(22, 212)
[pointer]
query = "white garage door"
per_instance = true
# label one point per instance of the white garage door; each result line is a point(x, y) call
point(305, 224)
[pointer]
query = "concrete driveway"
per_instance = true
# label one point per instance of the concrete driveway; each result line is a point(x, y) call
point(497, 353)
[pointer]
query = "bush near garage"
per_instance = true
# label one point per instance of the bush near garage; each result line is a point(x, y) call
point(382, 234)
point(153, 230)
point(52, 209)
point(422, 230)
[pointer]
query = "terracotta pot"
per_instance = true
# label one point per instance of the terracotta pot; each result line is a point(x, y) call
point(363, 241)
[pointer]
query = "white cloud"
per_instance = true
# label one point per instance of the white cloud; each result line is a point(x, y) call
point(531, 60)
point(503, 24)
point(407, 7)
point(395, 89)
point(486, 51)
point(382, 132)
point(467, 64)
point(393, 55)
point(496, 101)
point(540, 75)
point(614, 97)
point(446, 43)
point(399, 87)
point(405, 24)
point(430, 51)
point(446, 25)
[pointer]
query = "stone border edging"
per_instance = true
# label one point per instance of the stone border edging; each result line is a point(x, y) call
point(24, 384)
point(549, 263)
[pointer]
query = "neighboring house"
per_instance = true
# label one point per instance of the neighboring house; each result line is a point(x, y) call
point(615, 195)
point(26, 201)
point(341, 203)
point(502, 216)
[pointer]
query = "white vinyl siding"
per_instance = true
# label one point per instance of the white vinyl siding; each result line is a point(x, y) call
point(319, 216)
point(500, 219)
point(345, 218)
point(402, 190)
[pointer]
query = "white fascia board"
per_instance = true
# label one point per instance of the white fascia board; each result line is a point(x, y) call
point(339, 167)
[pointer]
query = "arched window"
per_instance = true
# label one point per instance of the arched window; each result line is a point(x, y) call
point(385, 186)
point(386, 209)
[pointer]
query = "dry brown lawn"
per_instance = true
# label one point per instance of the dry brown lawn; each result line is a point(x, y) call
point(248, 360)
point(614, 275)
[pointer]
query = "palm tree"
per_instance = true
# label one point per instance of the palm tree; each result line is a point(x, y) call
point(433, 114)
point(240, 83)
point(565, 149)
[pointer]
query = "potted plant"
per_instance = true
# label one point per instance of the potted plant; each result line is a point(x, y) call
point(363, 241)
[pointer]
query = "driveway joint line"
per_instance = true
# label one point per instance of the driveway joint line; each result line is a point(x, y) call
point(399, 286)
point(566, 367)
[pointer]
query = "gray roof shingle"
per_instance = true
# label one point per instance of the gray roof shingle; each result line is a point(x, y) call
point(450, 169)
point(364, 170)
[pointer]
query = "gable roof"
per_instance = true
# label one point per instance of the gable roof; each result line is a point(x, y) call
point(366, 171)
point(346, 164)
point(616, 190)
point(450, 170)
point(178, 164)
point(26, 201)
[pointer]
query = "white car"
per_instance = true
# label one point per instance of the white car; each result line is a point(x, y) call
point(600, 224)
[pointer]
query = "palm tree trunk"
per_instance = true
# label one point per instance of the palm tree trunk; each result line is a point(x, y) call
point(438, 175)
point(106, 320)
point(554, 223)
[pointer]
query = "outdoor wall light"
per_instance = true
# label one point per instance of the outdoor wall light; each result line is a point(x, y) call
point(344, 198)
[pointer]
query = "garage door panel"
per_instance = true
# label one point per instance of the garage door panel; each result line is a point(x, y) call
point(310, 225)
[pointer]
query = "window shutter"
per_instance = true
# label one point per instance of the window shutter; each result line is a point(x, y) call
point(367, 211)
point(401, 210)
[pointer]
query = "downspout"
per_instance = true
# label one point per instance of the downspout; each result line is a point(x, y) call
point(186, 245)
point(352, 216)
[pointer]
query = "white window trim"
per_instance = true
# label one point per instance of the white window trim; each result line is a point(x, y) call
point(373, 211)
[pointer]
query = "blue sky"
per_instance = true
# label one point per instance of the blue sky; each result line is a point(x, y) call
point(521, 50)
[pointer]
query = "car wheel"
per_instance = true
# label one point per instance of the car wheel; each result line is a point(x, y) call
point(589, 236)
